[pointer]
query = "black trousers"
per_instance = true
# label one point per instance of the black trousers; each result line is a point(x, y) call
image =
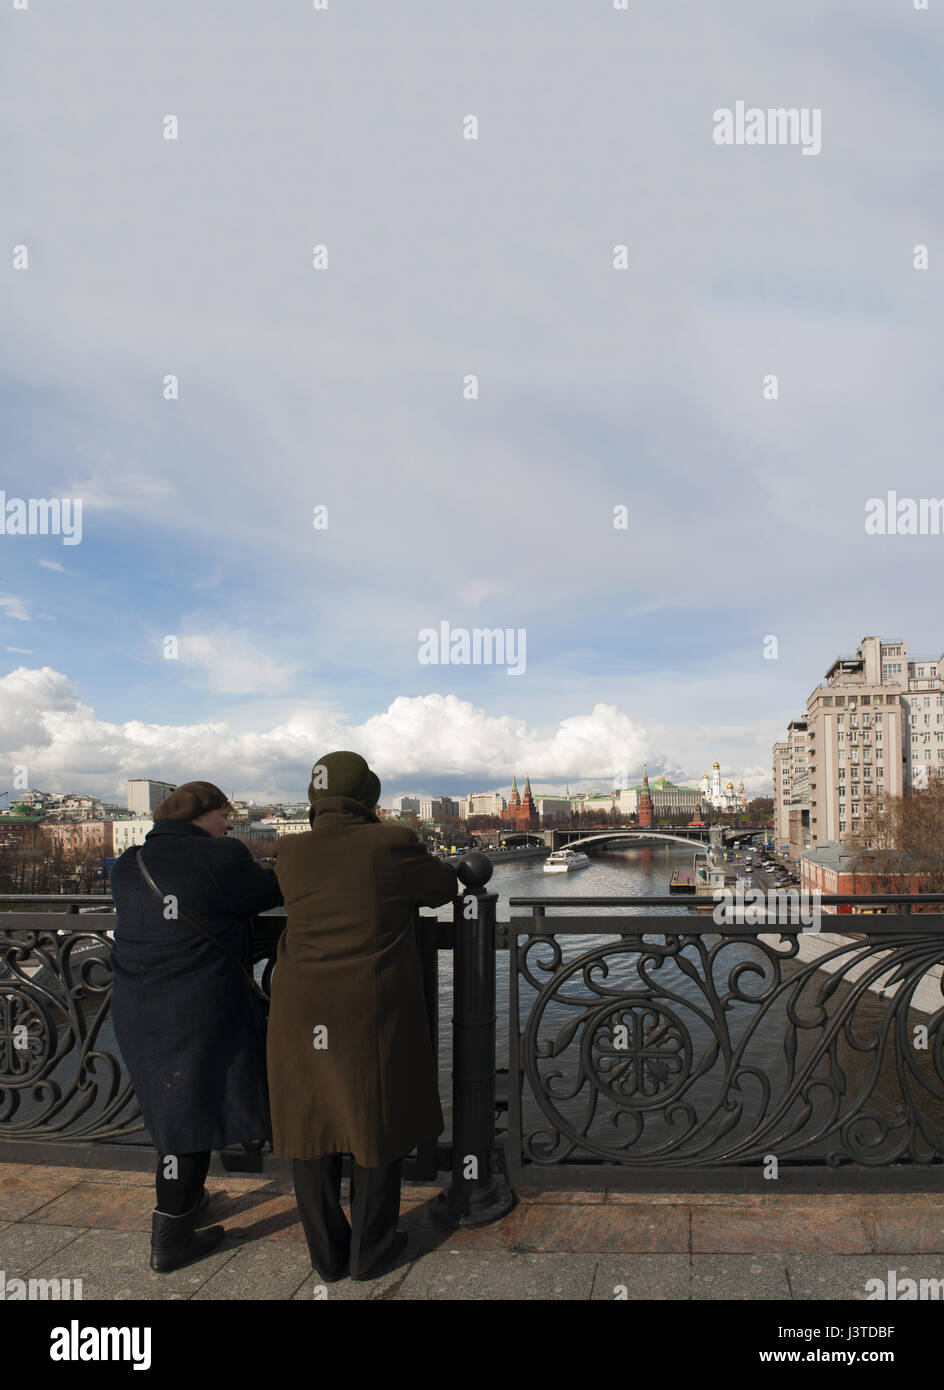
point(176, 1195)
point(375, 1207)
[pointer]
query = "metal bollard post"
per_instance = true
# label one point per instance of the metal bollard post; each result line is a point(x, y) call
point(473, 1197)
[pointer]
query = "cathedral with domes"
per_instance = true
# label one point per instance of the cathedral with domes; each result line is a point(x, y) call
point(723, 798)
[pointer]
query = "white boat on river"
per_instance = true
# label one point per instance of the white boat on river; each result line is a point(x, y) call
point(562, 861)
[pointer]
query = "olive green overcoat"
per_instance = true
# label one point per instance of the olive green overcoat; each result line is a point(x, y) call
point(348, 965)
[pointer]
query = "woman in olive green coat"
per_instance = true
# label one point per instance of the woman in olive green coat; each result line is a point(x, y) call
point(350, 1058)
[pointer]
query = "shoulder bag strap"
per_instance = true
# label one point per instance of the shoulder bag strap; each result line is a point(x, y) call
point(259, 993)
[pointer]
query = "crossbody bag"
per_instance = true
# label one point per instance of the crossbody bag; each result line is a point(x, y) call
point(257, 991)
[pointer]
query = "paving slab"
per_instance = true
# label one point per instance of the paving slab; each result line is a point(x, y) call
point(739, 1277)
point(114, 1265)
point(606, 1229)
point(24, 1244)
point(845, 1276)
point(766, 1230)
point(498, 1275)
point(52, 1172)
point(13, 1170)
point(904, 1228)
point(266, 1269)
point(109, 1206)
point(684, 1199)
point(19, 1197)
point(635, 1278)
point(265, 1214)
point(546, 1198)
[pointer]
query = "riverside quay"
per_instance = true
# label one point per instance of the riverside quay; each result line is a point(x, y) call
point(617, 1052)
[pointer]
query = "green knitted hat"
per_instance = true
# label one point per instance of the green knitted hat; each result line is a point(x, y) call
point(344, 774)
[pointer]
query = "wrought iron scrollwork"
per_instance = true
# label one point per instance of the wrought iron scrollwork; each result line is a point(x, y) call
point(697, 1050)
point(58, 1078)
point(62, 1078)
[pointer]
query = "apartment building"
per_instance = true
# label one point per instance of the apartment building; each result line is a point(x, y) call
point(126, 833)
point(875, 728)
point(82, 836)
point(781, 760)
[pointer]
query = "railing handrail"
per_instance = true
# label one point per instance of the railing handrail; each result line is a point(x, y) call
point(678, 900)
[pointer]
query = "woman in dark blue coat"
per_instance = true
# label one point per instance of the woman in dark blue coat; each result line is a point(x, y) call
point(190, 1030)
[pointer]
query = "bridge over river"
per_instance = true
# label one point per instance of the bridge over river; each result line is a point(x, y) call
point(695, 836)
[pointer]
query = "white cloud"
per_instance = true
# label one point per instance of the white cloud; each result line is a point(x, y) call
point(52, 565)
point(431, 739)
point(13, 607)
point(232, 664)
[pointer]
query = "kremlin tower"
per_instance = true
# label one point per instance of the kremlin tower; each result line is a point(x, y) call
point(644, 804)
point(522, 811)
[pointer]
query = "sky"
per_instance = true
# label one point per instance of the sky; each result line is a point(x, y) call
point(501, 429)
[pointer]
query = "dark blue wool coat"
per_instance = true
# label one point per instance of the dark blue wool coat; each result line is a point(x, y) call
point(190, 1030)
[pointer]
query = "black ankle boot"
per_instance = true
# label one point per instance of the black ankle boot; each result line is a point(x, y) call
point(174, 1242)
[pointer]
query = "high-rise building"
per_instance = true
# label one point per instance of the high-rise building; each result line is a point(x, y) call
point(875, 729)
point(406, 803)
point(791, 790)
point(144, 795)
point(781, 759)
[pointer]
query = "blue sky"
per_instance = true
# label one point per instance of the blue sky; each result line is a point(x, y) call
point(344, 387)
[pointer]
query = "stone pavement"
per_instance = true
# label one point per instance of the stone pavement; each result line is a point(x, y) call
point(94, 1224)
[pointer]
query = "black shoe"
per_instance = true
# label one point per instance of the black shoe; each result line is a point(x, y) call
point(175, 1243)
point(332, 1278)
point(395, 1249)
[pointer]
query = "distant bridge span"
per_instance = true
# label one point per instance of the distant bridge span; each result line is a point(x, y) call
point(602, 835)
point(556, 837)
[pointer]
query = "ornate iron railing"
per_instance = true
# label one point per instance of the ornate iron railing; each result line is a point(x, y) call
point(675, 1046)
point(643, 1049)
point(63, 1081)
